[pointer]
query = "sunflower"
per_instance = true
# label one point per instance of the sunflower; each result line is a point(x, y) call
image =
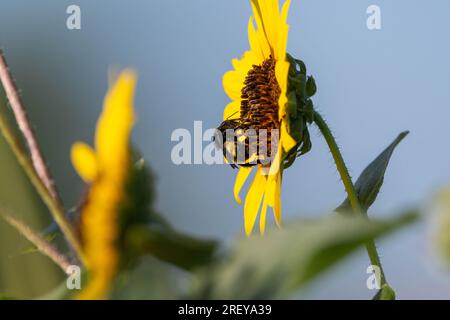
point(263, 99)
point(106, 170)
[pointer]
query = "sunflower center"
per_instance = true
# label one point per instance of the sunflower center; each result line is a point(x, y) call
point(259, 104)
point(259, 111)
point(255, 134)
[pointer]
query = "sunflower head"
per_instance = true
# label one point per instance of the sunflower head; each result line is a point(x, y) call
point(118, 196)
point(266, 123)
point(271, 95)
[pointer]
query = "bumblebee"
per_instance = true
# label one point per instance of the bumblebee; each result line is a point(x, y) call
point(243, 145)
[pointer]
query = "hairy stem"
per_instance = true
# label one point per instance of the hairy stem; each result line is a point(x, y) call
point(25, 127)
point(41, 244)
point(54, 207)
point(349, 187)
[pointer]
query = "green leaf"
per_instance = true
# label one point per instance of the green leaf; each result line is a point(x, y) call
point(311, 87)
point(284, 260)
point(385, 293)
point(371, 179)
point(59, 293)
point(173, 247)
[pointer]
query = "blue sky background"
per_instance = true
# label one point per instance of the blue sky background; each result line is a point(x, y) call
point(371, 86)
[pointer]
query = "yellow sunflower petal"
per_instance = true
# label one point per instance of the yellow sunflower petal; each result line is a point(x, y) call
point(285, 11)
point(283, 31)
point(282, 73)
point(244, 64)
point(273, 13)
point(261, 31)
point(253, 201)
point(276, 162)
point(267, 10)
point(258, 16)
point(285, 138)
point(242, 176)
point(273, 174)
point(84, 161)
point(232, 84)
point(232, 110)
point(270, 190)
point(277, 203)
point(262, 218)
point(115, 123)
point(273, 195)
point(255, 41)
point(258, 43)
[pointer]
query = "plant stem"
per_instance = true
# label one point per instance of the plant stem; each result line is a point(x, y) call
point(36, 169)
point(54, 207)
point(349, 187)
point(43, 246)
point(27, 130)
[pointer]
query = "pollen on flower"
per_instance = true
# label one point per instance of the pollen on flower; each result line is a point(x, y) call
point(259, 105)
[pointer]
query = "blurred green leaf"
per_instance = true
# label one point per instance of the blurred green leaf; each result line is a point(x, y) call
point(173, 247)
point(371, 179)
point(150, 279)
point(59, 293)
point(385, 293)
point(284, 260)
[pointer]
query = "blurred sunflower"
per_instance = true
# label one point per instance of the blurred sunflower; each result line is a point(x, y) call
point(106, 170)
point(264, 100)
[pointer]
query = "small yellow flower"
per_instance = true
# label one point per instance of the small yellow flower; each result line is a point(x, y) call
point(106, 170)
point(258, 89)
